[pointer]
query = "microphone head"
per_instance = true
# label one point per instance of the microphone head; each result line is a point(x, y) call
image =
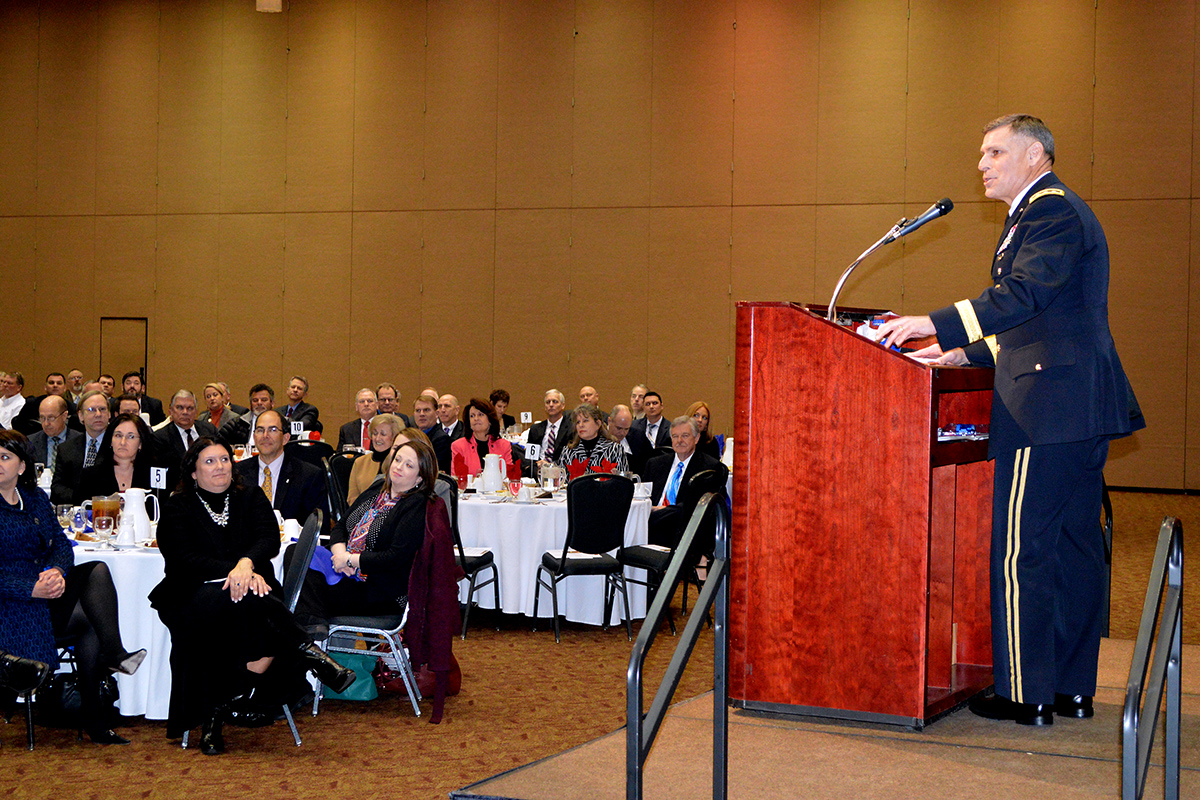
point(945, 205)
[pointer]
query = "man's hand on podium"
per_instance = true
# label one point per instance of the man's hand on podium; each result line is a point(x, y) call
point(898, 330)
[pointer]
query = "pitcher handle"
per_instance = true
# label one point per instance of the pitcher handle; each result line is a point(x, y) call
point(154, 497)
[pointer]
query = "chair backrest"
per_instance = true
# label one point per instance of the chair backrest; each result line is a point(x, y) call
point(597, 507)
point(337, 499)
point(709, 480)
point(309, 451)
point(337, 481)
point(301, 557)
point(446, 488)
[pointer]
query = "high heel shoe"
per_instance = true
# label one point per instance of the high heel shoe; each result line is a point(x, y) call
point(128, 663)
point(211, 741)
point(326, 670)
point(22, 675)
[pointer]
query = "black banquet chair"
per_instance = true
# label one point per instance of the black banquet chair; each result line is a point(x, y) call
point(471, 565)
point(597, 507)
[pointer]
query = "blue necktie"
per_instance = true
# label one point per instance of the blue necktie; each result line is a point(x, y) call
point(673, 484)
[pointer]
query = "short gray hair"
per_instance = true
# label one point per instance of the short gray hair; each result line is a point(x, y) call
point(182, 393)
point(1028, 126)
point(686, 420)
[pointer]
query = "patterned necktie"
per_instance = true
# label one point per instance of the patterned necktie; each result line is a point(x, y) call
point(549, 448)
point(266, 484)
point(652, 432)
point(89, 458)
point(52, 453)
point(673, 484)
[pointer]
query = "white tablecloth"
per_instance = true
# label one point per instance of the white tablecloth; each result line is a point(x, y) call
point(518, 535)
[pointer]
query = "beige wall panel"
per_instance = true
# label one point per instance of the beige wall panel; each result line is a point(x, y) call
point(613, 83)
point(385, 305)
point(949, 260)
point(1145, 237)
point(320, 106)
point(457, 300)
point(185, 327)
point(775, 79)
point(1191, 467)
point(842, 233)
point(533, 269)
point(190, 97)
point(389, 98)
point(691, 148)
point(460, 123)
point(18, 254)
point(250, 312)
point(861, 107)
point(316, 307)
point(67, 69)
point(952, 57)
point(773, 253)
point(127, 114)
point(691, 330)
point(66, 291)
point(533, 142)
point(254, 105)
point(1144, 65)
point(610, 252)
point(18, 108)
point(1059, 89)
point(125, 268)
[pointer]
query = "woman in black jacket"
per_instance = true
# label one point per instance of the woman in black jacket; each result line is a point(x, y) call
point(220, 600)
point(123, 462)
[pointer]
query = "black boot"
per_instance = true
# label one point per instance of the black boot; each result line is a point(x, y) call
point(326, 670)
point(21, 674)
point(248, 710)
point(211, 741)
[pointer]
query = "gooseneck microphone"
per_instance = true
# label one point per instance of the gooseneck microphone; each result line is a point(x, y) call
point(901, 228)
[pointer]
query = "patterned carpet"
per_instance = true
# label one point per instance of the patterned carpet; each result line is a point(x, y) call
point(523, 698)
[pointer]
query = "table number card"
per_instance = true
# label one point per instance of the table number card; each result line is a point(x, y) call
point(526, 417)
point(158, 478)
point(297, 428)
point(533, 451)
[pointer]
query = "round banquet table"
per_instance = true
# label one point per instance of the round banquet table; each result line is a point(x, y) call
point(518, 534)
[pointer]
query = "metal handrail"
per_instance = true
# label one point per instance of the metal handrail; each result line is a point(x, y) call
point(641, 729)
point(1137, 739)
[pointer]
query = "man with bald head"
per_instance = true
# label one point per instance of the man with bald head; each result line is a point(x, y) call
point(52, 416)
point(589, 396)
point(637, 448)
point(26, 421)
point(448, 411)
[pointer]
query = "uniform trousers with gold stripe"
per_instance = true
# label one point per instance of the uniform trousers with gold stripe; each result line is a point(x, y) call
point(1047, 570)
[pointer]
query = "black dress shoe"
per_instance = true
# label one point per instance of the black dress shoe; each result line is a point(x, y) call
point(326, 670)
point(107, 737)
point(997, 707)
point(1078, 706)
point(246, 711)
point(22, 674)
point(211, 741)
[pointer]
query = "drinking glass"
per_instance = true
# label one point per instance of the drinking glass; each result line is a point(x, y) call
point(64, 514)
point(104, 531)
point(78, 521)
point(514, 486)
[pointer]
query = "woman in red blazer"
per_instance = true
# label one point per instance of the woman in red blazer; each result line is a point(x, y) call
point(466, 454)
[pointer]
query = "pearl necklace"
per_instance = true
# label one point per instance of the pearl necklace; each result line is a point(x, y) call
point(221, 519)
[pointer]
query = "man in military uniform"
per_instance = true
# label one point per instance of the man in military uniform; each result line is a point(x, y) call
point(1060, 395)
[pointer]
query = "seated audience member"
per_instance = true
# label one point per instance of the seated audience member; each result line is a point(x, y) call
point(46, 594)
point(236, 650)
point(637, 449)
point(500, 399)
point(637, 397)
point(82, 452)
point(448, 411)
point(232, 406)
point(171, 441)
point(53, 414)
point(240, 430)
point(127, 404)
point(356, 432)
point(11, 399)
point(708, 443)
point(124, 460)
point(26, 420)
point(297, 410)
point(131, 383)
point(214, 406)
point(383, 431)
point(654, 427)
point(387, 401)
point(425, 419)
point(591, 448)
point(108, 385)
point(552, 433)
point(669, 476)
point(466, 454)
point(588, 396)
point(75, 386)
point(293, 487)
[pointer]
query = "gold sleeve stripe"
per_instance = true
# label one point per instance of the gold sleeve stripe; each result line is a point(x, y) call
point(1045, 192)
point(993, 345)
point(969, 320)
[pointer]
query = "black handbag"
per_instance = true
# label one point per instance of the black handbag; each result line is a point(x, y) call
point(58, 703)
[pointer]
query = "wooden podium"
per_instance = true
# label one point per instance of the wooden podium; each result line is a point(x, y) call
point(860, 542)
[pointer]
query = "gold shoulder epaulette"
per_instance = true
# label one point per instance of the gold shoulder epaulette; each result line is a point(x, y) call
point(1044, 192)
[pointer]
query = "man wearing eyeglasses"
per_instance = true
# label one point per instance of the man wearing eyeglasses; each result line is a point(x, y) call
point(26, 421)
point(52, 415)
point(80, 452)
point(294, 487)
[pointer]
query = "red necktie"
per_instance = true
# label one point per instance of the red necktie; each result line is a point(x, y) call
point(366, 444)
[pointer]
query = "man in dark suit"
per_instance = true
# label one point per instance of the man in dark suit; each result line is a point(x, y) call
point(653, 427)
point(553, 432)
point(172, 440)
point(293, 487)
point(355, 431)
point(80, 452)
point(297, 410)
point(425, 418)
point(637, 448)
point(240, 430)
point(449, 411)
point(131, 382)
point(26, 420)
point(387, 399)
point(54, 433)
point(1059, 396)
point(669, 477)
